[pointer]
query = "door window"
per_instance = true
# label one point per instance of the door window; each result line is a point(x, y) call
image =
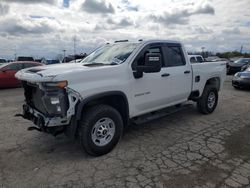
point(174, 56)
point(192, 60)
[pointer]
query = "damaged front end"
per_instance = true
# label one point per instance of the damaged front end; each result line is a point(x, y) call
point(50, 105)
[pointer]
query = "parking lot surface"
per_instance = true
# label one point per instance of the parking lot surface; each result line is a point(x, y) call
point(185, 149)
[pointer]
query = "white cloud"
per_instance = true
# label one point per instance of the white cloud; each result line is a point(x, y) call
point(4, 9)
point(98, 7)
point(45, 28)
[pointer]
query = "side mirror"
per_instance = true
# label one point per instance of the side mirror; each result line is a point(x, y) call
point(153, 62)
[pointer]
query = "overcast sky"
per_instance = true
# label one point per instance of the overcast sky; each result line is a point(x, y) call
point(46, 27)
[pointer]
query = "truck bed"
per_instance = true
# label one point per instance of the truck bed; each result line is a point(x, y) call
point(204, 71)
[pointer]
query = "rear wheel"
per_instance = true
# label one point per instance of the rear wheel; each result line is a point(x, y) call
point(100, 129)
point(208, 101)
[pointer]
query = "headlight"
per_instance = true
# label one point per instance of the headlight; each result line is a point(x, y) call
point(237, 74)
point(61, 84)
point(55, 99)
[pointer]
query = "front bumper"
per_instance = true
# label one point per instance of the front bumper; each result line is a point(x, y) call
point(241, 83)
point(41, 120)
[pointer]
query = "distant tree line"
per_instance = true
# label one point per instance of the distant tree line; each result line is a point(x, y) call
point(226, 55)
point(232, 54)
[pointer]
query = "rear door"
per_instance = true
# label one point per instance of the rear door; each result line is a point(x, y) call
point(180, 72)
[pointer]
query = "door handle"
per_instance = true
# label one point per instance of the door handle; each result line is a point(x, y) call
point(165, 75)
point(187, 72)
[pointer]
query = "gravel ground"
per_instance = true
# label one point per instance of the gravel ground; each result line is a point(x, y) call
point(185, 149)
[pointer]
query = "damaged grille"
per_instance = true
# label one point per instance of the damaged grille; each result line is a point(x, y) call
point(41, 99)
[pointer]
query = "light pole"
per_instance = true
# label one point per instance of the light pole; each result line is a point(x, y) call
point(64, 52)
point(74, 39)
point(241, 49)
point(15, 54)
point(202, 50)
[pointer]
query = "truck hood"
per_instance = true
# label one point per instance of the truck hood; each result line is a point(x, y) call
point(50, 72)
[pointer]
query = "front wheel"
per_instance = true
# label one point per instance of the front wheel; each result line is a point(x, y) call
point(208, 101)
point(100, 129)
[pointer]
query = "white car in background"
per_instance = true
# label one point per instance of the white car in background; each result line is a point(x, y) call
point(196, 58)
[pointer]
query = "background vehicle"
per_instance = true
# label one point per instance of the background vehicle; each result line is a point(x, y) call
point(242, 79)
point(211, 58)
point(196, 58)
point(76, 57)
point(25, 58)
point(52, 61)
point(3, 61)
point(8, 71)
point(76, 61)
point(95, 99)
point(236, 66)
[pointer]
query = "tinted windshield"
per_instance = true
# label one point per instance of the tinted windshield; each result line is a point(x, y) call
point(111, 53)
point(242, 61)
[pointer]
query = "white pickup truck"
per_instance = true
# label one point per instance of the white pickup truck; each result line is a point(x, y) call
point(94, 100)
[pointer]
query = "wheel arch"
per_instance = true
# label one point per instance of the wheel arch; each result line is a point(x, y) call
point(214, 81)
point(116, 99)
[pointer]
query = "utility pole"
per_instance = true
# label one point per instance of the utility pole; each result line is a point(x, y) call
point(74, 40)
point(241, 49)
point(64, 52)
point(15, 54)
point(202, 49)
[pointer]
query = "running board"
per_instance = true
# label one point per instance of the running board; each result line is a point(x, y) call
point(159, 114)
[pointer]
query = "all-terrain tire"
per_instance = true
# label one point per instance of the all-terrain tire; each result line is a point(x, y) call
point(98, 120)
point(208, 101)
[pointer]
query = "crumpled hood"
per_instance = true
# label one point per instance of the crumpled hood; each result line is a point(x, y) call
point(53, 70)
point(49, 72)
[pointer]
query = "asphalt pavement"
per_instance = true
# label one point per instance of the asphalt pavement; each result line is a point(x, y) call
point(184, 149)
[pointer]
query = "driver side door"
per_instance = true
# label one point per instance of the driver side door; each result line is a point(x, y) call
point(151, 91)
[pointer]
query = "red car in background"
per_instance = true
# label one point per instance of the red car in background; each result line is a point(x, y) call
point(8, 71)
